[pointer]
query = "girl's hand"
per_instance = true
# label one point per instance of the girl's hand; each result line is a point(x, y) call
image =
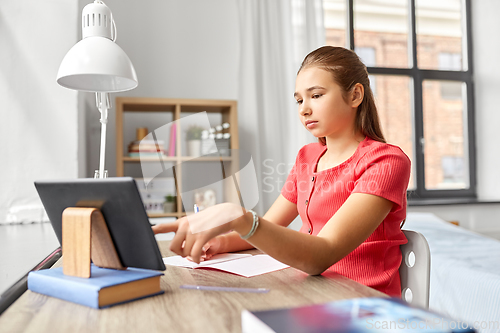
point(194, 231)
point(211, 248)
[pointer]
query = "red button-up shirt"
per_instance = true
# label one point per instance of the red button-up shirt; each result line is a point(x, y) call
point(375, 168)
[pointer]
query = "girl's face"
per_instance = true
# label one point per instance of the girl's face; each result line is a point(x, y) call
point(322, 109)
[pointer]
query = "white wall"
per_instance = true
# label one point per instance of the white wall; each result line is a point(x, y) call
point(38, 118)
point(487, 87)
point(180, 49)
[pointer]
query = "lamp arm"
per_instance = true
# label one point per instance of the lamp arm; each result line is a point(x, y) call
point(103, 104)
point(115, 32)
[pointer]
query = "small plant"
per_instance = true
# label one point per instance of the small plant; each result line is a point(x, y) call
point(170, 204)
point(170, 198)
point(194, 132)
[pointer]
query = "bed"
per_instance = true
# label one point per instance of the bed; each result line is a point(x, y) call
point(465, 271)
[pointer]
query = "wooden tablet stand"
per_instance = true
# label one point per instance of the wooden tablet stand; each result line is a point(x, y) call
point(85, 235)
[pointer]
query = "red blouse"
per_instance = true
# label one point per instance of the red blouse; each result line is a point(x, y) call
point(375, 168)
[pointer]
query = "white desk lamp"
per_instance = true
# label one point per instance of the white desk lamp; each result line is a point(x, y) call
point(97, 64)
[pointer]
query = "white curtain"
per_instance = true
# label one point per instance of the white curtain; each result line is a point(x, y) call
point(275, 36)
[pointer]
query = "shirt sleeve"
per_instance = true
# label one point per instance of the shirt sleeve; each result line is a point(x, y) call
point(384, 173)
point(289, 190)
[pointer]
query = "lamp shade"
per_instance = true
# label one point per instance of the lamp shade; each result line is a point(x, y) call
point(97, 64)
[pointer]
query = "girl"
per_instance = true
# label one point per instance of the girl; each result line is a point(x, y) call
point(349, 188)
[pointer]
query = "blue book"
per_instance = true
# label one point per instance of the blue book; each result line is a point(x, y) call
point(352, 315)
point(105, 287)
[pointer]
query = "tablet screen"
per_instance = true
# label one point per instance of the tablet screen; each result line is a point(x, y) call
point(119, 202)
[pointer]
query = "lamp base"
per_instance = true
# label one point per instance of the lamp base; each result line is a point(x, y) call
point(98, 175)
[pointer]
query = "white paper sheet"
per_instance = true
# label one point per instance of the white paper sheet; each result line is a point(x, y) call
point(241, 264)
point(183, 262)
point(251, 266)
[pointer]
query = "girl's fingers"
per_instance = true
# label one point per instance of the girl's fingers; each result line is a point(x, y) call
point(165, 227)
point(188, 244)
point(176, 245)
point(204, 250)
point(202, 258)
point(196, 250)
point(212, 247)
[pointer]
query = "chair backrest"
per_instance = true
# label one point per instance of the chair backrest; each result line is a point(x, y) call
point(415, 269)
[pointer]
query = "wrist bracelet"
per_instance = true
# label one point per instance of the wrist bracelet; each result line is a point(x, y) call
point(255, 225)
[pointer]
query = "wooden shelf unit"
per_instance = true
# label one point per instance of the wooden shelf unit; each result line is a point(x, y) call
point(176, 107)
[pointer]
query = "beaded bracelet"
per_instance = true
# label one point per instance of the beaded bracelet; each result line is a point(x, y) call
point(255, 225)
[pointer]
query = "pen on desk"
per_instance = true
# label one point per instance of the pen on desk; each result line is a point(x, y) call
point(230, 289)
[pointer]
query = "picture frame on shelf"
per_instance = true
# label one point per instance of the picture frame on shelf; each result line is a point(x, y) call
point(205, 198)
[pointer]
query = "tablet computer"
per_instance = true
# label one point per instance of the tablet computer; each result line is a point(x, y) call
point(119, 202)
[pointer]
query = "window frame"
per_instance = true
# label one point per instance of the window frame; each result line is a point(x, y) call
point(417, 76)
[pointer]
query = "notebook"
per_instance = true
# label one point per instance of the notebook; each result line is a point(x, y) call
point(246, 265)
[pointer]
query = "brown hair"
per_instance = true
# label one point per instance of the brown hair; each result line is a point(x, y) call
point(347, 70)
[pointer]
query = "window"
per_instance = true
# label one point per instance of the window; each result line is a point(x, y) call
point(418, 52)
point(450, 61)
point(367, 56)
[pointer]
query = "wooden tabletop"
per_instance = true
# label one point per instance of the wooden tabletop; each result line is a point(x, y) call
point(182, 310)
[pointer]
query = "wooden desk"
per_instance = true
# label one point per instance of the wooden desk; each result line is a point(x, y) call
point(181, 310)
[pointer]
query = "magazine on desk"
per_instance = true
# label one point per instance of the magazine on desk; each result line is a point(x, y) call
point(352, 315)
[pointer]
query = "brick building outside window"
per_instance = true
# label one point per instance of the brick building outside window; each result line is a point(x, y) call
point(382, 34)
